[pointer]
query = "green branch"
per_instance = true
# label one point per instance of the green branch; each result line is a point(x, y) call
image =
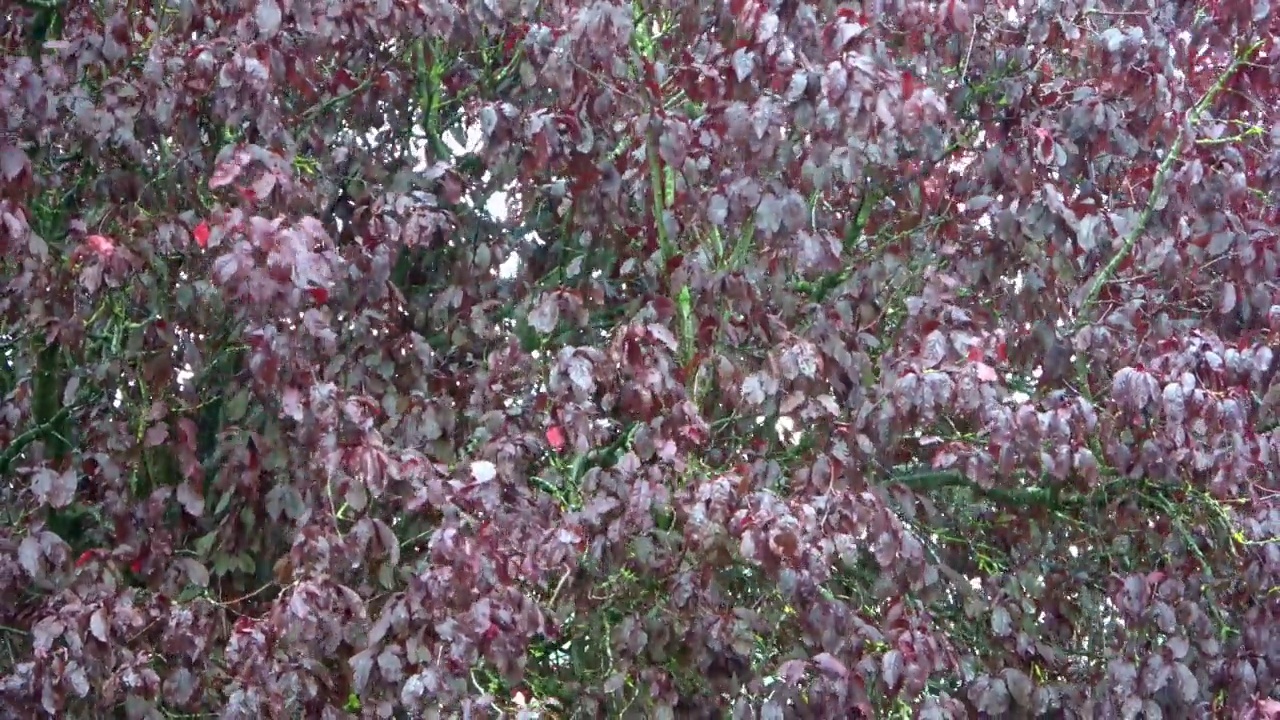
point(659, 193)
point(1157, 185)
point(930, 480)
point(20, 442)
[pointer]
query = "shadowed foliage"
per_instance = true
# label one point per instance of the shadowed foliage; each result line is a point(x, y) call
point(572, 358)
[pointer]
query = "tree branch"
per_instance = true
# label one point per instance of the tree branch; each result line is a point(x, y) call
point(928, 480)
point(1157, 185)
point(20, 442)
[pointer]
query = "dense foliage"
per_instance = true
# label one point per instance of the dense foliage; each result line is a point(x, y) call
point(392, 358)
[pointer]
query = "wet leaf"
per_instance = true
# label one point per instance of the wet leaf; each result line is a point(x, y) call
point(29, 556)
point(546, 315)
point(483, 471)
point(99, 626)
point(268, 15)
point(12, 162)
point(57, 489)
point(190, 498)
point(850, 362)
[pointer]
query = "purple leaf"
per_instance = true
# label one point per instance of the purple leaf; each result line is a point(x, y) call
point(891, 667)
point(29, 556)
point(156, 435)
point(546, 314)
point(361, 666)
point(12, 162)
point(190, 498)
point(226, 172)
point(99, 626)
point(830, 665)
point(934, 349)
point(197, 573)
point(1001, 622)
point(744, 62)
point(57, 489)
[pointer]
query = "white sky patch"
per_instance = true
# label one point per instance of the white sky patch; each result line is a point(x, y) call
point(467, 142)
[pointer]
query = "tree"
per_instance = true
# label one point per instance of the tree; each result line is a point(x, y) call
point(652, 359)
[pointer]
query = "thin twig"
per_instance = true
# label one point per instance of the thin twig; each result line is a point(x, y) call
point(1117, 13)
point(313, 112)
point(559, 586)
point(964, 66)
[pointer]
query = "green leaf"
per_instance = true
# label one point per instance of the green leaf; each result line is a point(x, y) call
point(238, 406)
point(185, 296)
point(204, 543)
point(223, 502)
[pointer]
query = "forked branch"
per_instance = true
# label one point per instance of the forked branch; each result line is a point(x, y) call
point(1157, 184)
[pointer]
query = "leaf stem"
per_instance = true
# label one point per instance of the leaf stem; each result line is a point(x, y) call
point(1158, 183)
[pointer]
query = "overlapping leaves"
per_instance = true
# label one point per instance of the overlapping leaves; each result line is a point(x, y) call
point(584, 357)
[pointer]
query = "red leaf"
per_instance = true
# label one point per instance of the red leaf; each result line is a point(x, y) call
point(693, 434)
point(556, 438)
point(201, 234)
point(908, 86)
point(135, 567)
point(101, 245)
point(1046, 142)
point(85, 557)
point(319, 294)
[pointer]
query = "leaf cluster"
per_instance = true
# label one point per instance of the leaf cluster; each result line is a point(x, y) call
point(652, 359)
